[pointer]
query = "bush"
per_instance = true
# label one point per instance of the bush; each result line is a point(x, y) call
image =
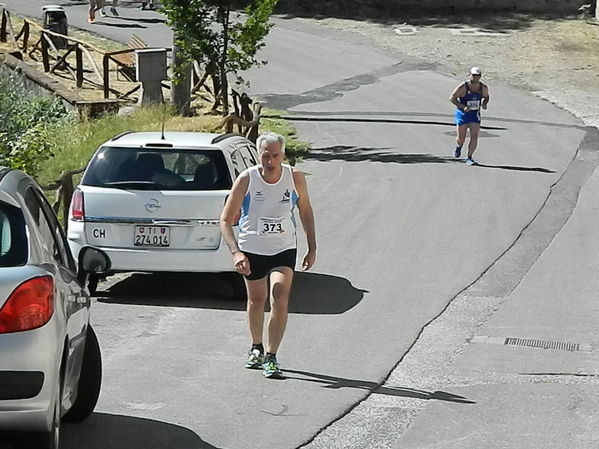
point(28, 120)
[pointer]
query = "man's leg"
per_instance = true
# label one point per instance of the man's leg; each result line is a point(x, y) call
point(92, 11)
point(460, 138)
point(257, 293)
point(474, 130)
point(280, 287)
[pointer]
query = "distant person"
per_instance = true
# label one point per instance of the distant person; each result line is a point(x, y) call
point(94, 5)
point(468, 98)
point(113, 9)
point(265, 253)
point(147, 5)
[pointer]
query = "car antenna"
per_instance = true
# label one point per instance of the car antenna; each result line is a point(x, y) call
point(163, 120)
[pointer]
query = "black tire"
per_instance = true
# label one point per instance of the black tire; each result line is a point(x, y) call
point(90, 380)
point(238, 284)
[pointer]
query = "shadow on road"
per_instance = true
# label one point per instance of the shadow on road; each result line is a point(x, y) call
point(312, 293)
point(360, 154)
point(103, 431)
point(392, 14)
point(516, 168)
point(373, 387)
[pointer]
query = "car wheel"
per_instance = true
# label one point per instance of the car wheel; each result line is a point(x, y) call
point(239, 290)
point(90, 380)
point(44, 440)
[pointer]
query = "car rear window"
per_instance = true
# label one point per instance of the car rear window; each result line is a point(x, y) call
point(13, 237)
point(158, 169)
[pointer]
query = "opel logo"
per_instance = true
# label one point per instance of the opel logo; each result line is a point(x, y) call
point(152, 205)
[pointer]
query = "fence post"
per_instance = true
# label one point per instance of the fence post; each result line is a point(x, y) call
point(106, 74)
point(25, 36)
point(45, 57)
point(79, 64)
point(3, 26)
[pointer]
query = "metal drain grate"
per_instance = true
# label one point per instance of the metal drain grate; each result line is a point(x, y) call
point(542, 344)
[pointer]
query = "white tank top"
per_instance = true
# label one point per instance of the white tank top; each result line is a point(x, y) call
point(267, 223)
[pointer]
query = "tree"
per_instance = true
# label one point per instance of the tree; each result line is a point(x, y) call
point(204, 31)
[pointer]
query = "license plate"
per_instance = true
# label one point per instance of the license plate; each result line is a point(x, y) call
point(152, 236)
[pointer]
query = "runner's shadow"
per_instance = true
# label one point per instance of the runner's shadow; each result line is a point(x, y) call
point(118, 25)
point(373, 387)
point(323, 294)
point(516, 168)
point(103, 430)
point(138, 19)
point(361, 154)
point(312, 293)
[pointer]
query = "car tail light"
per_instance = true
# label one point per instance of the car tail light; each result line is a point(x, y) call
point(29, 306)
point(77, 206)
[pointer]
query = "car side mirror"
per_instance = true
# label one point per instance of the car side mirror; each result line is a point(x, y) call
point(93, 260)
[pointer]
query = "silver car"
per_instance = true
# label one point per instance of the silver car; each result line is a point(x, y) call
point(50, 364)
point(152, 201)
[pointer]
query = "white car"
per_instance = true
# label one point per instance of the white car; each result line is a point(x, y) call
point(152, 201)
point(50, 363)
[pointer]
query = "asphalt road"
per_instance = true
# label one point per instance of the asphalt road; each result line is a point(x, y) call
point(402, 229)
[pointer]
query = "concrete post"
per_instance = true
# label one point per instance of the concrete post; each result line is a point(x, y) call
point(150, 70)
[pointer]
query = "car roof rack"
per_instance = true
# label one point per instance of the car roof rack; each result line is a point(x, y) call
point(225, 136)
point(124, 133)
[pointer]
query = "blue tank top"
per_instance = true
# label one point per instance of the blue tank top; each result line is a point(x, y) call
point(473, 100)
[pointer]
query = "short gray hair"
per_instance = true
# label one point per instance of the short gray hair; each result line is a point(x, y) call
point(268, 138)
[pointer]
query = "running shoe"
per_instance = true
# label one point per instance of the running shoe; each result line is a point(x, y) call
point(469, 161)
point(114, 11)
point(457, 152)
point(255, 359)
point(102, 12)
point(271, 369)
point(144, 5)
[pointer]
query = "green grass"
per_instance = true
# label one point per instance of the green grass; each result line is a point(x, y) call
point(77, 142)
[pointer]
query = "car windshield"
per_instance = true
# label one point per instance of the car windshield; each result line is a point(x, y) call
point(158, 169)
point(13, 237)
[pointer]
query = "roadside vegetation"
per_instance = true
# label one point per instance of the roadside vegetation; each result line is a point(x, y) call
point(28, 121)
point(74, 142)
point(41, 137)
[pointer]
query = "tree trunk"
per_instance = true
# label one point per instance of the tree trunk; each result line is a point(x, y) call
point(181, 89)
point(224, 13)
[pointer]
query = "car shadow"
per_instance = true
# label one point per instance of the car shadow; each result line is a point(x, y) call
point(312, 293)
point(103, 430)
point(373, 387)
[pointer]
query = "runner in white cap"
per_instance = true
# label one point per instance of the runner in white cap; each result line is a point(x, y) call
point(468, 98)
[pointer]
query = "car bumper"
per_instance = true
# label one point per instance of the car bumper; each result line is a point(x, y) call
point(29, 372)
point(163, 259)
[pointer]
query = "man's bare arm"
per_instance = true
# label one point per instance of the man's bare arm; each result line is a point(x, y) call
point(307, 217)
point(228, 218)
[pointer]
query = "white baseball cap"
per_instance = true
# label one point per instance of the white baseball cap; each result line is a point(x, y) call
point(475, 71)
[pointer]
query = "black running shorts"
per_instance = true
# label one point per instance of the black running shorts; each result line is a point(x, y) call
point(261, 265)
